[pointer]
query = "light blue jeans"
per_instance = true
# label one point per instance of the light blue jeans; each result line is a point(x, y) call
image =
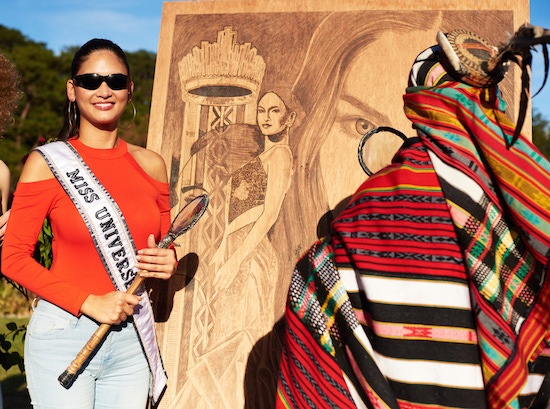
point(116, 377)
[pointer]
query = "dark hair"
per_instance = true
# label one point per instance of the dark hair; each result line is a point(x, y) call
point(71, 114)
point(339, 39)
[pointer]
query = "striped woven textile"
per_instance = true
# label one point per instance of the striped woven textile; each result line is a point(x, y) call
point(431, 291)
point(499, 200)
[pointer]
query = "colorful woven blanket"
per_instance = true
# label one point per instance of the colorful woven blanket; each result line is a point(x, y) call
point(431, 291)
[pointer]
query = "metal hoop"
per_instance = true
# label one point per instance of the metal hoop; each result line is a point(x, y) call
point(367, 136)
point(134, 112)
point(70, 114)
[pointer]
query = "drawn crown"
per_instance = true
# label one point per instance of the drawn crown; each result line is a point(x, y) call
point(222, 73)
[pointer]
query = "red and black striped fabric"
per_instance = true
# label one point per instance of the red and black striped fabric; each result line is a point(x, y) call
point(392, 310)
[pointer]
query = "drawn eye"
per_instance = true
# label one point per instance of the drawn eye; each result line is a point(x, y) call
point(362, 126)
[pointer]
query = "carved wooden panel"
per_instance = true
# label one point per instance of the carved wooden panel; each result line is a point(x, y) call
point(262, 104)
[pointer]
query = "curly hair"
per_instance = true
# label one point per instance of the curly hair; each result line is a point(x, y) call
point(9, 91)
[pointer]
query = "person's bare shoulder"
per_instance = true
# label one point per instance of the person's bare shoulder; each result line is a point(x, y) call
point(35, 169)
point(151, 162)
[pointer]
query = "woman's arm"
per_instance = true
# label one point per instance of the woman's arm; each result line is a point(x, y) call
point(31, 204)
point(36, 195)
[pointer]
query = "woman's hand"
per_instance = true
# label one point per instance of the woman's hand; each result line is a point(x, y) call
point(116, 306)
point(112, 308)
point(156, 263)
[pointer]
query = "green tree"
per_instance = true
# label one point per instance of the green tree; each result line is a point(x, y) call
point(142, 64)
point(43, 84)
point(541, 133)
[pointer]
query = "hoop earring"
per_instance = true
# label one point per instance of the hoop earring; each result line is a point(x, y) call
point(71, 112)
point(367, 136)
point(134, 112)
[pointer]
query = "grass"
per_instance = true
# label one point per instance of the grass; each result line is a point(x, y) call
point(14, 386)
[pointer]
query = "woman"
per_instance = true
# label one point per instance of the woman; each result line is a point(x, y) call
point(85, 285)
point(256, 203)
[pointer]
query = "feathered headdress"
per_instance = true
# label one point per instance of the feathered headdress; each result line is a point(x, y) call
point(476, 62)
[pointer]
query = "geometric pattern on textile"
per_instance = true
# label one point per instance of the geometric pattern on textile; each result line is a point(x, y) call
point(310, 375)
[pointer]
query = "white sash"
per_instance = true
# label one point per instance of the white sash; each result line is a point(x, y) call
point(112, 240)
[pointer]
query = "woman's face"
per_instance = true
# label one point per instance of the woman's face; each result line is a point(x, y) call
point(103, 106)
point(272, 115)
point(371, 96)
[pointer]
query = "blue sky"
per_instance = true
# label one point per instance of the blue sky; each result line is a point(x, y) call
point(135, 24)
point(132, 24)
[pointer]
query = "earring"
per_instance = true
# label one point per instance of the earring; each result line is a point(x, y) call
point(71, 112)
point(134, 112)
point(367, 136)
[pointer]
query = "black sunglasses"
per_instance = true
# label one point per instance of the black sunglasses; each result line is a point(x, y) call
point(93, 81)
